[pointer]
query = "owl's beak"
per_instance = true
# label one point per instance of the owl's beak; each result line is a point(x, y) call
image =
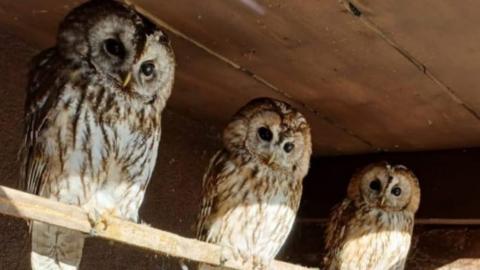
point(272, 159)
point(382, 201)
point(127, 79)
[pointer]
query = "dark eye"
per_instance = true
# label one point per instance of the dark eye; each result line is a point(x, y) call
point(114, 47)
point(375, 185)
point(396, 191)
point(288, 147)
point(265, 134)
point(147, 69)
point(163, 39)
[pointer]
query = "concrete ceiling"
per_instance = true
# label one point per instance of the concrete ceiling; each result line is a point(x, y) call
point(369, 75)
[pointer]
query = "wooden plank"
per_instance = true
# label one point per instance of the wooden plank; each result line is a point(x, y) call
point(208, 90)
point(462, 264)
point(205, 88)
point(28, 206)
point(327, 59)
point(441, 35)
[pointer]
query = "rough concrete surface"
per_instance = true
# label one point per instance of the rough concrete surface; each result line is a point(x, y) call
point(172, 199)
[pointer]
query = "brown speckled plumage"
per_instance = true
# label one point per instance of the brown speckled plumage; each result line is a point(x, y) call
point(250, 198)
point(92, 130)
point(372, 228)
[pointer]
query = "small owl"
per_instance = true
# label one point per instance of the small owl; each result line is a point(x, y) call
point(253, 186)
point(372, 228)
point(93, 114)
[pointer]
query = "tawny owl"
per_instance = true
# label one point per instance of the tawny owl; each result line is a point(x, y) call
point(372, 228)
point(93, 113)
point(253, 186)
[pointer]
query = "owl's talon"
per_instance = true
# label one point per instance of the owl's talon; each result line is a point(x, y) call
point(93, 217)
point(259, 263)
point(234, 254)
point(98, 221)
point(93, 232)
point(223, 256)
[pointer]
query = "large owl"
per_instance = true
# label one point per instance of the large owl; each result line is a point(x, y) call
point(372, 228)
point(93, 114)
point(253, 186)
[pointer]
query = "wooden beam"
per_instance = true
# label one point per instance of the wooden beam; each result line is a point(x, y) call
point(28, 206)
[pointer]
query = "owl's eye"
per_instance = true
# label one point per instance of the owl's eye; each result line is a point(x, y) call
point(147, 69)
point(396, 191)
point(288, 147)
point(265, 134)
point(375, 185)
point(163, 39)
point(114, 47)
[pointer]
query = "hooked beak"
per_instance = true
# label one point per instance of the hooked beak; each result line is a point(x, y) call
point(382, 201)
point(272, 159)
point(127, 79)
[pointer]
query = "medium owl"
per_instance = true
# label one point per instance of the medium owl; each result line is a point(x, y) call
point(93, 114)
point(253, 186)
point(372, 228)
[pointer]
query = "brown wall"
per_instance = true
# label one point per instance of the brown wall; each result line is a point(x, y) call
point(173, 197)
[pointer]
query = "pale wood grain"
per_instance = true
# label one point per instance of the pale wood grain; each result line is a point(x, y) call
point(31, 207)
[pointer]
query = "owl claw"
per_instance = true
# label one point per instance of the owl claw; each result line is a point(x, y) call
point(233, 254)
point(97, 221)
point(224, 254)
point(93, 217)
point(259, 263)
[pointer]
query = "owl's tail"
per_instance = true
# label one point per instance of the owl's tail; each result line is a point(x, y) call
point(55, 248)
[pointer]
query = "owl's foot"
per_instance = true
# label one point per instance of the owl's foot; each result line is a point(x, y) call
point(233, 254)
point(98, 221)
point(94, 219)
point(225, 255)
point(259, 263)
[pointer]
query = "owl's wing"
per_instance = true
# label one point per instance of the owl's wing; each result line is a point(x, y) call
point(209, 192)
point(337, 225)
point(42, 94)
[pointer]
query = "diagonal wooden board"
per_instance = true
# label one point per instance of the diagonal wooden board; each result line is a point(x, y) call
point(28, 206)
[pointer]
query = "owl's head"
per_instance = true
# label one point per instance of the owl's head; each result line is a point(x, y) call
point(273, 132)
point(119, 43)
point(391, 188)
